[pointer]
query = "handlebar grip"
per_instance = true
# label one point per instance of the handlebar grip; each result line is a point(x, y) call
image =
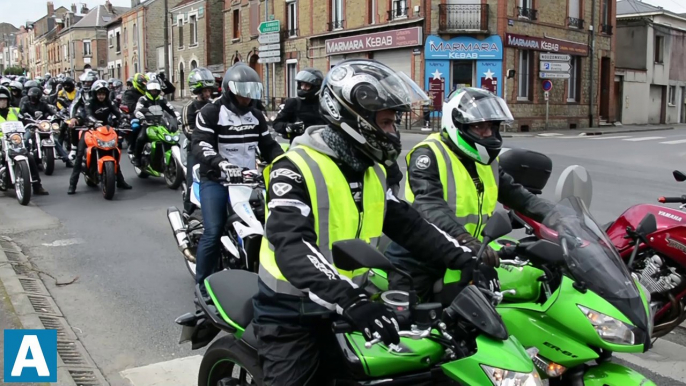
point(340, 327)
point(675, 200)
point(507, 252)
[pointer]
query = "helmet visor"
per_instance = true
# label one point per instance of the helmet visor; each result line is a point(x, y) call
point(481, 108)
point(308, 77)
point(395, 92)
point(252, 90)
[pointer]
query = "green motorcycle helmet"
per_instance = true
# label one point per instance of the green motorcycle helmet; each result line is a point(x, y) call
point(471, 121)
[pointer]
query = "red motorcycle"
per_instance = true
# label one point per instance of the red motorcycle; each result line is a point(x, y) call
point(651, 239)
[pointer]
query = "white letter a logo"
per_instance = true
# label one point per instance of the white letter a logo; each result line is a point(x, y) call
point(38, 361)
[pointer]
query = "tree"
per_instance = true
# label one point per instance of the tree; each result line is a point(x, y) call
point(14, 71)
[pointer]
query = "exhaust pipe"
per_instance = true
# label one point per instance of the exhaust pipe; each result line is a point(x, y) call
point(177, 225)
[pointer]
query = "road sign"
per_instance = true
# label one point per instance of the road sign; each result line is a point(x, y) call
point(269, 54)
point(270, 47)
point(269, 38)
point(546, 95)
point(269, 26)
point(555, 66)
point(555, 57)
point(273, 59)
point(554, 75)
point(547, 85)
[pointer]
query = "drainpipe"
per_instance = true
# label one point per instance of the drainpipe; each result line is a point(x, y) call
point(266, 65)
point(590, 84)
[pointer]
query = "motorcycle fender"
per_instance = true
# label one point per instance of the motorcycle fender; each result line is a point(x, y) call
point(176, 153)
point(609, 373)
point(107, 158)
point(244, 231)
point(20, 158)
point(167, 156)
point(200, 335)
point(228, 245)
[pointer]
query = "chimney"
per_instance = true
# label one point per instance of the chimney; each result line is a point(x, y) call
point(108, 5)
point(84, 9)
point(73, 8)
point(51, 8)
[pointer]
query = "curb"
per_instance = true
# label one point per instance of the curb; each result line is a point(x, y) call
point(629, 130)
point(35, 309)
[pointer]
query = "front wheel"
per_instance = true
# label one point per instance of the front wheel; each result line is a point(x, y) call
point(107, 180)
point(229, 362)
point(48, 161)
point(22, 182)
point(173, 175)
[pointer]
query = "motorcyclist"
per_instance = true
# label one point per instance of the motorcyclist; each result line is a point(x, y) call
point(116, 89)
point(8, 113)
point(130, 99)
point(33, 103)
point(454, 180)
point(27, 86)
point(51, 91)
point(76, 113)
point(129, 83)
point(5, 81)
point(16, 89)
point(303, 111)
point(67, 95)
point(152, 98)
point(98, 110)
point(228, 132)
point(331, 186)
point(202, 85)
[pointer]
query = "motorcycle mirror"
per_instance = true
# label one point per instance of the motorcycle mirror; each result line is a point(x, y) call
point(647, 226)
point(679, 176)
point(575, 182)
point(497, 226)
point(350, 255)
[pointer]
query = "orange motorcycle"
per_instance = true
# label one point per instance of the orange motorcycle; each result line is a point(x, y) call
point(101, 160)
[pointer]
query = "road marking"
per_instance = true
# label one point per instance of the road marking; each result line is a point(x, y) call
point(63, 243)
point(678, 141)
point(181, 371)
point(613, 137)
point(642, 139)
point(664, 358)
point(549, 134)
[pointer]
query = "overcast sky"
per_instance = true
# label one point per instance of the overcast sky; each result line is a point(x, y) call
point(19, 12)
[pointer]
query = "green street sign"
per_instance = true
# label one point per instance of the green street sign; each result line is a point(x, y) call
point(269, 26)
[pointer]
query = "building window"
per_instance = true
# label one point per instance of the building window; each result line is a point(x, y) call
point(574, 81)
point(110, 40)
point(126, 37)
point(575, 19)
point(659, 48)
point(524, 80)
point(118, 39)
point(135, 35)
point(292, 18)
point(672, 95)
point(87, 48)
point(399, 9)
point(290, 78)
point(65, 50)
point(336, 14)
point(372, 11)
point(236, 24)
point(193, 30)
point(180, 33)
point(526, 10)
point(135, 67)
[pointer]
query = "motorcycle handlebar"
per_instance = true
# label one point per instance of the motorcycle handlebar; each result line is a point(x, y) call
point(341, 326)
point(673, 200)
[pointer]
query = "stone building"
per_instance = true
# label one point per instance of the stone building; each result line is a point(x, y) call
point(143, 32)
point(196, 28)
point(116, 40)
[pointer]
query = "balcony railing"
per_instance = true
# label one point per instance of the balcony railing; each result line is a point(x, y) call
point(336, 24)
point(575, 23)
point(606, 29)
point(462, 17)
point(398, 13)
point(527, 13)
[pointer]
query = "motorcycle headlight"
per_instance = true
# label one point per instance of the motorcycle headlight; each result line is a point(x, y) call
point(16, 140)
point(44, 126)
point(167, 137)
point(55, 126)
point(501, 377)
point(107, 144)
point(608, 328)
point(175, 138)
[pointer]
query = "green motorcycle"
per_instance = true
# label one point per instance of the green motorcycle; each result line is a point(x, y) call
point(463, 344)
point(161, 156)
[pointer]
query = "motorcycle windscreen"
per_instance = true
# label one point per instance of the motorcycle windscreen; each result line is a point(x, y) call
point(591, 258)
point(472, 306)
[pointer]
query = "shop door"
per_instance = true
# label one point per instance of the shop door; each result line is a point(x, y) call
point(462, 74)
point(398, 60)
point(605, 78)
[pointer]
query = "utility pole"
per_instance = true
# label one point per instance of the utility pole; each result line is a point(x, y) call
point(592, 61)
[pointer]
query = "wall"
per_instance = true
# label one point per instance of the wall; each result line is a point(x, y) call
point(133, 21)
point(678, 55)
point(633, 50)
point(635, 108)
point(154, 34)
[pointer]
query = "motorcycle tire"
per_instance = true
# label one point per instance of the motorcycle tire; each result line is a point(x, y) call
point(173, 175)
point(108, 180)
point(22, 182)
point(222, 357)
point(4, 180)
point(48, 161)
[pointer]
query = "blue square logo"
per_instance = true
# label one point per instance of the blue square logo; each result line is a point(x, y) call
point(30, 356)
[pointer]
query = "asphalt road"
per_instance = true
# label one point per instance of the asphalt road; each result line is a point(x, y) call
point(132, 282)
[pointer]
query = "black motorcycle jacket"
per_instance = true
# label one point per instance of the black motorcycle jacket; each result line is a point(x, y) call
point(15, 102)
point(298, 110)
point(290, 228)
point(27, 107)
point(224, 133)
point(100, 111)
point(144, 104)
point(189, 114)
point(130, 99)
point(428, 191)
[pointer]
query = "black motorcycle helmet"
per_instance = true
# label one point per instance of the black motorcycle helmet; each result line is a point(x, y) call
point(69, 84)
point(21, 79)
point(199, 79)
point(311, 76)
point(34, 94)
point(241, 80)
point(16, 89)
point(354, 92)
point(87, 80)
point(129, 82)
point(30, 84)
point(100, 86)
point(5, 94)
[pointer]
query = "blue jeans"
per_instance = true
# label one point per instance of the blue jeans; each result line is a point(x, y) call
point(61, 152)
point(213, 200)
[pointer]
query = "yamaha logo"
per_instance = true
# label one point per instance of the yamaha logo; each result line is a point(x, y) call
point(669, 215)
point(331, 105)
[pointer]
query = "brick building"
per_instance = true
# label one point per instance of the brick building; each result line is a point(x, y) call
point(196, 27)
point(116, 40)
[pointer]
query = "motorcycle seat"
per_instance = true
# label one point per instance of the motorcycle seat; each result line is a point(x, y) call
point(233, 291)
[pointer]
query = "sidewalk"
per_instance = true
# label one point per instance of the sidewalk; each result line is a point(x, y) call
point(604, 130)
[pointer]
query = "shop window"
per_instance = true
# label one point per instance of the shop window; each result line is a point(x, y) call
point(524, 79)
point(291, 71)
point(463, 74)
point(574, 82)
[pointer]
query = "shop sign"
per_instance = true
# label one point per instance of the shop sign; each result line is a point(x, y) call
point(463, 47)
point(545, 44)
point(400, 38)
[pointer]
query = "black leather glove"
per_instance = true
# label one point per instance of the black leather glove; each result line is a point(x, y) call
point(489, 257)
point(234, 174)
point(295, 128)
point(486, 277)
point(371, 318)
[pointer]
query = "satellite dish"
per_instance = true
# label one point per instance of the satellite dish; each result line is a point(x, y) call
point(575, 182)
